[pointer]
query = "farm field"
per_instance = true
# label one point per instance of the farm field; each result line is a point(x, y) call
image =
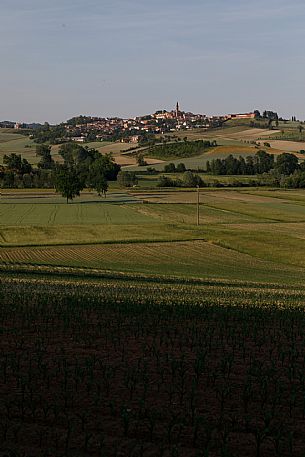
point(74, 214)
point(125, 365)
point(127, 330)
point(18, 144)
point(182, 258)
point(288, 146)
point(243, 233)
point(228, 133)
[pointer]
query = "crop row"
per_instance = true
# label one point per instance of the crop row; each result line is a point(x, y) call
point(123, 368)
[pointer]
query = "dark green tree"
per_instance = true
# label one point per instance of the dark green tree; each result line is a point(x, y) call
point(44, 152)
point(217, 167)
point(165, 181)
point(263, 162)
point(15, 162)
point(97, 178)
point(286, 163)
point(190, 179)
point(169, 168)
point(181, 168)
point(67, 182)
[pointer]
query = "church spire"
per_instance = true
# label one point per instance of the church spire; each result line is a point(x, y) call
point(177, 109)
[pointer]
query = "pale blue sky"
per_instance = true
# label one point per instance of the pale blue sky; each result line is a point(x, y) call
point(60, 58)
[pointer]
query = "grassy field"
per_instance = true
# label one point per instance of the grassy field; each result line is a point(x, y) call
point(242, 234)
point(18, 144)
point(73, 214)
point(194, 259)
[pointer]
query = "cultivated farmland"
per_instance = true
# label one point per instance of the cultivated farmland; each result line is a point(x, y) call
point(128, 330)
point(49, 214)
point(150, 366)
point(242, 233)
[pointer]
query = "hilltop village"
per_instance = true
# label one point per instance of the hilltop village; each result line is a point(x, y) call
point(82, 129)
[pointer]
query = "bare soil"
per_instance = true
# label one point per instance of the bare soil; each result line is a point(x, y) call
point(81, 379)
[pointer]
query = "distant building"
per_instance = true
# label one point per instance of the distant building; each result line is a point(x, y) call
point(162, 115)
point(241, 116)
point(17, 126)
point(134, 139)
point(78, 139)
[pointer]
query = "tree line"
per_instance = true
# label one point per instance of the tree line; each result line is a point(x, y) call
point(281, 171)
point(261, 162)
point(81, 167)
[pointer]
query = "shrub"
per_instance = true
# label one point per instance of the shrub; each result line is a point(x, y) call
point(127, 178)
point(169, 168)
point(181, 168)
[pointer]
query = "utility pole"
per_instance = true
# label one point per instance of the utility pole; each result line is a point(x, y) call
point(198, 206)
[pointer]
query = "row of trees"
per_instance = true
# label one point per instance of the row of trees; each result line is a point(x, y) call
point(82, 167)
point(172, 168)
point(262, 162)
point(189, 179)
point(19, 173)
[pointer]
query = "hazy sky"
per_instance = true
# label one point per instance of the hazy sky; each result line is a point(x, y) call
point(60, 58)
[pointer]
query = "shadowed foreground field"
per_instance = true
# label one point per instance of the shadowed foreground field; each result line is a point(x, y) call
point(148, 336)
point(118, 365)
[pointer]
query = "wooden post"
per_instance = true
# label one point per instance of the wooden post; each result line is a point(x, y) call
point(198, 206)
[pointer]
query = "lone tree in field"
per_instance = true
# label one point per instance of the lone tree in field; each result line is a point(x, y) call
point(67, 182)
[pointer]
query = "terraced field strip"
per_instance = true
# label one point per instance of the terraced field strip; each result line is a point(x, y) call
point(257, 206)
point(185, 213)
point(288, 146)
point(260, 206)
point(189, 258)
point(9, 136)
point(152, 253)
point(288, 195)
